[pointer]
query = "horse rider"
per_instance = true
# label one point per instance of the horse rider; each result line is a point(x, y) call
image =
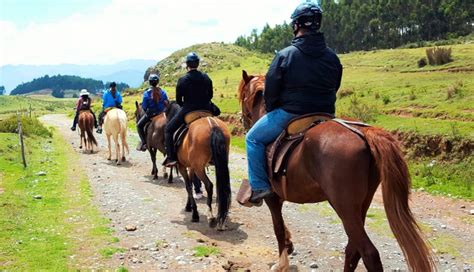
point(111, 99)
point(303, 78)
point(155, 101)
point(83, 103)
point(193, 92)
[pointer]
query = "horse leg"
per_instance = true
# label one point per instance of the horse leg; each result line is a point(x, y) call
point(154, 171)
point(165, 171)
point(117, 149)
point(191, 204)
point(359, 245)
point(124, 145)
point(282, 234)
point(201, 174)
point(80, 144)
point(110, 147)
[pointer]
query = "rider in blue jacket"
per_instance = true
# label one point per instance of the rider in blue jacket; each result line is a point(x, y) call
point(155, 101)
point(110, 99)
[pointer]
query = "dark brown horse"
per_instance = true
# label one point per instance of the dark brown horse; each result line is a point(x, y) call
point(206, 142)
point(86, 127)
point(155, 135)
point(334, 164)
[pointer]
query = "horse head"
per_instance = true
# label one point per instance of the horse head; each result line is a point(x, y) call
point(251, 91)
point(172, 109)
point(138, 111)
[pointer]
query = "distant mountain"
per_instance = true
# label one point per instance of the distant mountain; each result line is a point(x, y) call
point(129, 71)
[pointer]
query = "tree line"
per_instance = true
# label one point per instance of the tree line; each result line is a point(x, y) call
point(2, 90)
point(59, 83)
point(351, 25)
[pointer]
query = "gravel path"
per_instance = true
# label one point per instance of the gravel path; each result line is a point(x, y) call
point(166, 239)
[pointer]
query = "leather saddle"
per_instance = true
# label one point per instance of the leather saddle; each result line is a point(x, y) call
point(189, 118)
point(279, 152)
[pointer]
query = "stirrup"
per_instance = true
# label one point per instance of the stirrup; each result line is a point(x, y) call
point(169, 162)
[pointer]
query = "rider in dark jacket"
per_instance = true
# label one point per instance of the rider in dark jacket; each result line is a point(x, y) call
point(301, 72)
point(193, 92)
point(303, 78)
point(155, 101)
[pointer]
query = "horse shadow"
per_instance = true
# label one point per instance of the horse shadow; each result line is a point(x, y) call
point(123, 164)
point(234, 234)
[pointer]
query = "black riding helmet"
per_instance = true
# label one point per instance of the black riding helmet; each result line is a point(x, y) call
point(192, 60)
point(307, 15)
point(154, 79)
point(112, 84)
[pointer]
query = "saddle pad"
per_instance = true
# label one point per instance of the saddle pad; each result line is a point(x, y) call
point(300, 124)
point(194, 115)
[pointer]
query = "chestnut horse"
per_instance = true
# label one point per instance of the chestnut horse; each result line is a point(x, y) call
point(155, 135)
point(206, 142)
point(334, 164)
point(86, 127)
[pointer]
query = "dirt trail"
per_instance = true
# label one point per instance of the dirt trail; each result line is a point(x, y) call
point(165, 238)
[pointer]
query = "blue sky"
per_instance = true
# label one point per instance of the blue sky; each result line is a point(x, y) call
point(107, 31)
point(22, 12)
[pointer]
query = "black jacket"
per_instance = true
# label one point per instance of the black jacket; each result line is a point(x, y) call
point(194, 91)
point(304, 77)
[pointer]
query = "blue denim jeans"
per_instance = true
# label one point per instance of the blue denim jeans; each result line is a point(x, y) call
point(264, 132)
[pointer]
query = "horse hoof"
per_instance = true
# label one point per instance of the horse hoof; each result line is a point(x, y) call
point(80, 147)
point(188, 209)
point(165, 175)
point(108, 159)
point(212, 222)
point(123, 159)
point(290, 248)
point(195, 219)
point(170, 181)
point(221, 227)
point(155, 177)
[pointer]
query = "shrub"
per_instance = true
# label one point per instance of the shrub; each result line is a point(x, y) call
point(377, 95)
point(30, 126)
point(412, 95)
point(345, 92)
point(454, 90)
point(359, 110)
point(438, 55)
point(386, 99)
point(422, 62)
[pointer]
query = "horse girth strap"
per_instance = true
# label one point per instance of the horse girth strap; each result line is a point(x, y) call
point(347, 124)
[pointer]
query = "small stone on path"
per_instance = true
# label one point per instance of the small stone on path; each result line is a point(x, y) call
point(38, 197)
point(131, 228)
point(313, 265)
point(135, 247)
point(41, 173)
point(471, 212)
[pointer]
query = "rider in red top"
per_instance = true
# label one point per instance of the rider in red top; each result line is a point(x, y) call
point(84, 103)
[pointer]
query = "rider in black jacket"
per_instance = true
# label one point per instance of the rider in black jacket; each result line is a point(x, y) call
point(303, 78)
point(306, 70)
point(193, 92)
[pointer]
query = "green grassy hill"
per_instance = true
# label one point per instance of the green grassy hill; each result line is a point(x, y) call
point(384, 87)
point(431, 108)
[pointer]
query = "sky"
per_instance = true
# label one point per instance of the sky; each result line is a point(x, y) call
point(40, 32)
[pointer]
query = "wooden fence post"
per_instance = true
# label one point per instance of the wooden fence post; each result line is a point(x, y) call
point(20, 133)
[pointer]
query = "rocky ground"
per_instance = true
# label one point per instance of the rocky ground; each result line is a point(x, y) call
point(149, 219)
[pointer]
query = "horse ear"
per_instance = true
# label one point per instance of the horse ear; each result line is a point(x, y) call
point(245, 76)
point(136, 104)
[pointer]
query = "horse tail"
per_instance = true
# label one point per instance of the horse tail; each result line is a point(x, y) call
point(220, 158)
point(395, 178)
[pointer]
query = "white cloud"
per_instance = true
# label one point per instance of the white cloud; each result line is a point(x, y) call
point(128, 29)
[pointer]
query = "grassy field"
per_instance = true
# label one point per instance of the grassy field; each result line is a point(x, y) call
point(48, 221)
point(40, 104)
